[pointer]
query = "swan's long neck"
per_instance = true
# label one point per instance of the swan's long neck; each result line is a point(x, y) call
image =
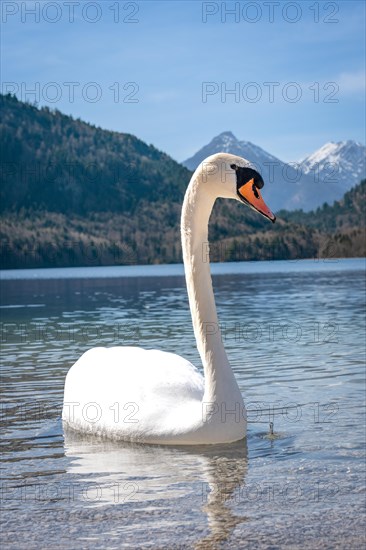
point(220, 383)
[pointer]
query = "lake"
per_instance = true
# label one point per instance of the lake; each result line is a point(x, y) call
point(295, 336)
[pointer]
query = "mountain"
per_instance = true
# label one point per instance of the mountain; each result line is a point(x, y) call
point(52, 162)
point(228, 143)
point(321, 177)
point(77, 195)
point(343, 162)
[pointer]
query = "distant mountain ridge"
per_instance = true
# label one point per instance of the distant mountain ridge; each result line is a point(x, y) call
point(322, 177)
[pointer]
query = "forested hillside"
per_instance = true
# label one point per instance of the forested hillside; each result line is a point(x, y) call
point(76, 195)
point(52, 162)
point(345, 214)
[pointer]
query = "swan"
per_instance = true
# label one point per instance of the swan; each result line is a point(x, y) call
point(150, 396)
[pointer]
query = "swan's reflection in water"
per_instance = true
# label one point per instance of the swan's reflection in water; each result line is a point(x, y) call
point(118, 473)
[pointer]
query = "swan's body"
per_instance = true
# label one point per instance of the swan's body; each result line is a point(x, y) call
point(152, 396)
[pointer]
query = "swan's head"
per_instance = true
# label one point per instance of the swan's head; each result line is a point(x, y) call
point(232, 177)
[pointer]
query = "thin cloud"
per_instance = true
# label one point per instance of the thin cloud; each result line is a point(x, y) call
point(352, 83)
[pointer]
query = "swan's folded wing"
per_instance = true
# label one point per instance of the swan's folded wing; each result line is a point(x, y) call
point(129, 388)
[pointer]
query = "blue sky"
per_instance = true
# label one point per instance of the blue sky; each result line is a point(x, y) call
point(296, 69)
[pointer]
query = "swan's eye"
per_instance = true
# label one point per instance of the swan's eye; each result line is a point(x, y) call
point(259, 183)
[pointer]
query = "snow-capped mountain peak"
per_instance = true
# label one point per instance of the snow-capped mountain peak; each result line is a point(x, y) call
point(334, 150)
point(345, 159)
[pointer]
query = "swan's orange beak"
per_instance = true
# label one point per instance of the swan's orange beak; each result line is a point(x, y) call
point(251, 195)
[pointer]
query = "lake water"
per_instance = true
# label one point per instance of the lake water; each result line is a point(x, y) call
point(294, 333)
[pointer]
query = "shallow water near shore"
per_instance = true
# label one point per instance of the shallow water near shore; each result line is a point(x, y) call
point(294, 333)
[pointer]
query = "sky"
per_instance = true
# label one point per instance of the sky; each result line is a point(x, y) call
point(287, 76)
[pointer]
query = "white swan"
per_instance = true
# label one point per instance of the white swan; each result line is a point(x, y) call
point(151, 396)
